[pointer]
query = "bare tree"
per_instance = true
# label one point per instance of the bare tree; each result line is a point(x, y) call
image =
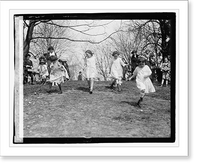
point(30, 25)
point(153, 34)
point(103, 59)
point(39, 46)
point(124, 44)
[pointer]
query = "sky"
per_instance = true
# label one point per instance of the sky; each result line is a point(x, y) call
point(98, 33)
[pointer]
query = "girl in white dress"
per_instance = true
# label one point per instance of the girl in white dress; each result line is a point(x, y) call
point(42, 70)
point(117, 70)
point(143, 82)
point(90, 69)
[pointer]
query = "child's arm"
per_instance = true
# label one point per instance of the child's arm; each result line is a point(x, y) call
point(134, 74)
point(131, 77)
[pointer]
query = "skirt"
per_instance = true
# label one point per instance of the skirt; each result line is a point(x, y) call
point(145, 85)
point(90, 73)
point(58, 77)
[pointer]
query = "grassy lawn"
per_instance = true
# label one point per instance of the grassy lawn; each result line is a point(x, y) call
point(105, 113)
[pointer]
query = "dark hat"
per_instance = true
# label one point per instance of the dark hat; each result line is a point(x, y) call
point(89, 51)
point(53, 58)
point(50, 48)
point(42, 58)
point(115, 52)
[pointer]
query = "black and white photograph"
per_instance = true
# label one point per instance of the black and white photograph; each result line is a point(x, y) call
point(94, 77)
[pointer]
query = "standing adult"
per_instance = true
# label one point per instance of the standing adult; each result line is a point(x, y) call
point(158, 69)
point(134, 60)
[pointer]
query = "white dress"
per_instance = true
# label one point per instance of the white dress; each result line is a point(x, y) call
point(90, 70)
point(142, 82)
point(43, 71)
point(117, 68)
point(57, 73)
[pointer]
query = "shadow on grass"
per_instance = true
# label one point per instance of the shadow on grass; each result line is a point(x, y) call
point(52, 91)
point(130, 103)
point(84, 89)
point(108, 87)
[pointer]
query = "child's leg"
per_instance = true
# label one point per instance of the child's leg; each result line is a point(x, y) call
point(163, 78)
point(112, 85)
point(59, 85)
point(166, 82)
point(162, 82)
point(91, 85)
point(167, 78)
point(88, 81)
point(142, 94)
point(32, 76)
point(50, 86)
point(119, 83)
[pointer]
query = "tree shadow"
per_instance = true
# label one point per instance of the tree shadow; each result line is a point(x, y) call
point(52, 91)
point(84, 89)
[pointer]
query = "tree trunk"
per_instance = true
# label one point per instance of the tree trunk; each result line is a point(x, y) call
point(164, 37)
point(28, 38)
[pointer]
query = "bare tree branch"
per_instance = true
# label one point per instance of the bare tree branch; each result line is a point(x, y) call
point(80, 25)
point(26, 24)
point(83, 32)
point(77, 40)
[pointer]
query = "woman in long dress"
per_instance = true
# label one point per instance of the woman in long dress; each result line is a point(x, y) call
point(90, 69)
point(142, 73)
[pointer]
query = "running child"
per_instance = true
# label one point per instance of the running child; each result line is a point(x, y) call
point(57, 73)
point(90, 69)
point(117, 70)
point(142, 73)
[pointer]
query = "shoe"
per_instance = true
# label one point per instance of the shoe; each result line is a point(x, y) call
point(90, 92)
point(119, 88)
point(60, 92)
point(139, 101)
point(49, 91)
